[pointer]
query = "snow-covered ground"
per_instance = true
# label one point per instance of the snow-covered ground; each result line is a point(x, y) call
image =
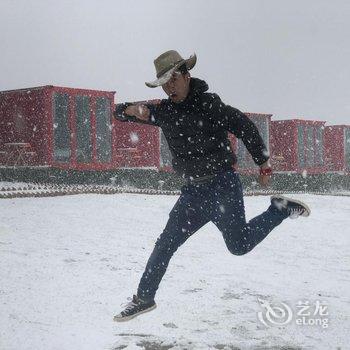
point(67, 263)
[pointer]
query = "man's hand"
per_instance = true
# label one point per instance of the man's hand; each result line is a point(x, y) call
point(139, 111)
point(265, 173)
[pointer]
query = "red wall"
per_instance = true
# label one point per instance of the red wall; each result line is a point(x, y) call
point(284, 146)
point(136, 145)
point(334, 140)
point(283, 143)
point(24, 118)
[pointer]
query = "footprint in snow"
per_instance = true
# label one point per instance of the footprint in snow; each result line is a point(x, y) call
point(170, 325)
point(195, 290)
point(230, 295)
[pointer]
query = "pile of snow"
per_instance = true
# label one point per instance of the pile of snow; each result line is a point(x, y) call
point(67, 263)
point(8, 184)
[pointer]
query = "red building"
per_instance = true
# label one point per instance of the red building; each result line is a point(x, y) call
point(70, 129)
point(297, 145)
point(337, 140)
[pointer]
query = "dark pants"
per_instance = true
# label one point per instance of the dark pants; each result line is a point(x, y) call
point(221, 201)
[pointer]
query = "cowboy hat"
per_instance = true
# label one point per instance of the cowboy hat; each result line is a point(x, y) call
point(167, 63)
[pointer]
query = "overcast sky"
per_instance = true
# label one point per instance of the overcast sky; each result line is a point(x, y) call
point(288, 58)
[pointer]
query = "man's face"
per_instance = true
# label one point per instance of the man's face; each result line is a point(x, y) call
point(177, 87)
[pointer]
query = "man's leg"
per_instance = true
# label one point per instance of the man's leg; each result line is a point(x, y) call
point(184, 220)
point(228, 214)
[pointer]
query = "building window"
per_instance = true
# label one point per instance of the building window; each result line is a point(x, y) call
point(310, 146)
point(165, 154)
point(301, 146)
point(103, 130)
point(61, 130)
point(83, 122)
point(319, 146)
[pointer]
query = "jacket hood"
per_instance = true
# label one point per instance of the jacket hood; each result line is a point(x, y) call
point(198, 86)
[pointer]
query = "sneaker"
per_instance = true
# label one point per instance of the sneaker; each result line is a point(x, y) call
point(134, 308)
point(293, 207)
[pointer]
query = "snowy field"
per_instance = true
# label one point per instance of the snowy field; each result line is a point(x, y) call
point(67, 263)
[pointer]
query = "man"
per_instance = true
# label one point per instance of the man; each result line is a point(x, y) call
point(196, 125)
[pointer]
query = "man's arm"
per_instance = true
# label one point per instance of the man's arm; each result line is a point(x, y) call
point(139, 113)
point(236, 122)
point(242, 127)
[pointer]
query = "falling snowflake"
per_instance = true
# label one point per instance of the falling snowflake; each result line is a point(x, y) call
point(134, 137)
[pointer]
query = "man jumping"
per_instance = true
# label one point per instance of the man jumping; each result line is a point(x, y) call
point(196, 124)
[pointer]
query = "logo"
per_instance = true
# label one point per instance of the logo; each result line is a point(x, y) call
point(274, 314)
point(308, 314)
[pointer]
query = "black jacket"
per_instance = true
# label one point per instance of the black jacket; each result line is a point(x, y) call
point(197, 131)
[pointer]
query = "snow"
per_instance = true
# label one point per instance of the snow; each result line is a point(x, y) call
point(134, 137)
point(67, 263)
point(17, 185)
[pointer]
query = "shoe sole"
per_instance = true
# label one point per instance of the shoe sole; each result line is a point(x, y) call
point(128, 318)
point(305, 214)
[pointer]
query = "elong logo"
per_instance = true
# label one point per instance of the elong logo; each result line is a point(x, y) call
point(281, 314)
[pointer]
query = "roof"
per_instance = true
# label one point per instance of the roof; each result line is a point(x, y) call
point(305, 121)
point(258, 114)
point(28, 88)
point(52, 87)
